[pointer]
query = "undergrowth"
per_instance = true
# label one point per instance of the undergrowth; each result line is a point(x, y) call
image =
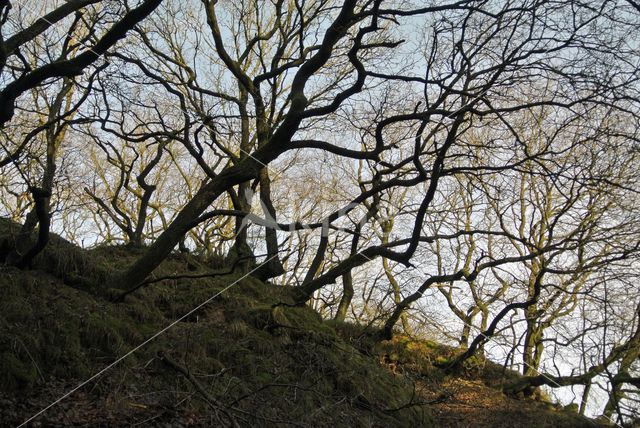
point(249, 357)
point(263, 360)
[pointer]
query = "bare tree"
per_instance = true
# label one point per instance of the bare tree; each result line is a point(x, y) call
point(34, 59)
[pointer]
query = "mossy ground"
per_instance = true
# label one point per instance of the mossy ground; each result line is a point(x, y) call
point(256, 359)
point(263, 361)
point(472, 395)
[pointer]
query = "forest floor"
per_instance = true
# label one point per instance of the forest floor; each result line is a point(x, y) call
point(246, 358)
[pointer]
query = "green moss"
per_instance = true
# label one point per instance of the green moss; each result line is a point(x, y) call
point(279, 362)
point(100, 333)
point(571, 407)
point(269, 360)
point(16, 374)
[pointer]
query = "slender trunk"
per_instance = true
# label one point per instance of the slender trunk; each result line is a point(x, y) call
point(316, 263)
point(466, 330)
point(241, 252)
point(273, 267)
point(387, 226)
point(347, 296)
point(529, 368)
point(242, 202)
point(347, 278)
point(533, 346)
point(25, 249)
point(395, 287)
point(147, 191)
point(585, 398)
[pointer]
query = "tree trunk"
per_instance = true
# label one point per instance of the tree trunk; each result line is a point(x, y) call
point(25, 249)
point(585, 398)
point(347, 295)
point(530, 358)
point(245, 170)
point(273, 266)
point(240, 252)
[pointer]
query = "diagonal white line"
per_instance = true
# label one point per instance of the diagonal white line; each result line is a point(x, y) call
point(252, 157)
point(160, 332)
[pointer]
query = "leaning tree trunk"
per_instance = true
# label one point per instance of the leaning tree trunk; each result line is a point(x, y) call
point(347, 296)
point(245, 170)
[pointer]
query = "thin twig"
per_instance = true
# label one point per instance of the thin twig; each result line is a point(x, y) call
point(212, 402)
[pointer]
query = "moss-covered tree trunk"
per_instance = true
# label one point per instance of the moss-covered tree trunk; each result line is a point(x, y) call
point(533, 346)
point(347, 296)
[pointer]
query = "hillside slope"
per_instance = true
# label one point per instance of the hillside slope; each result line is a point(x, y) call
point(246, 358)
